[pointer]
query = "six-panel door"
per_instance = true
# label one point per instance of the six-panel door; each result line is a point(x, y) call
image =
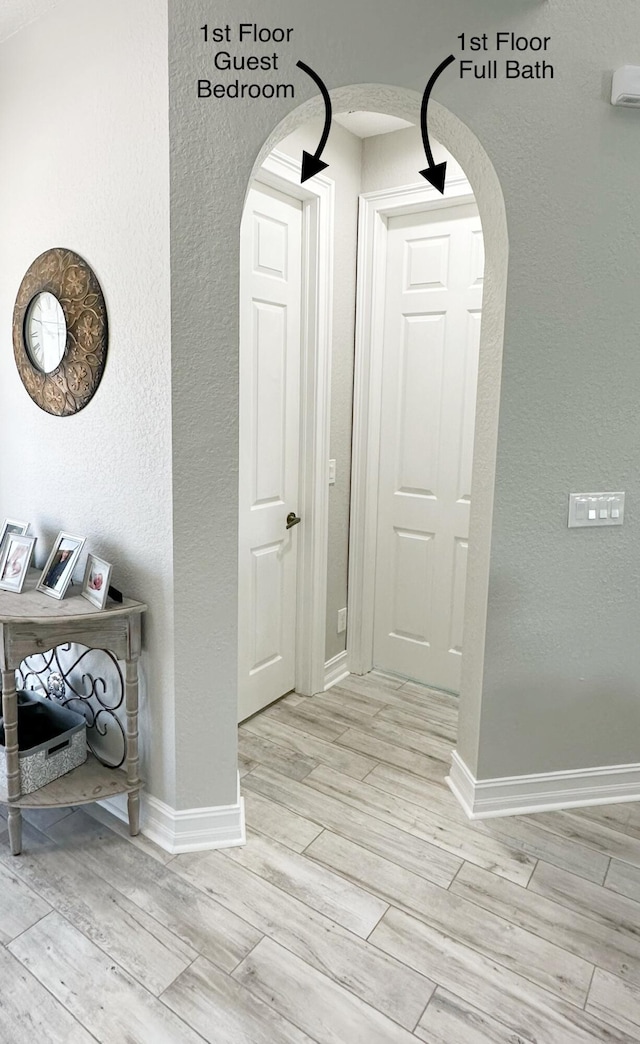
point(270, 265)
point(433, 301)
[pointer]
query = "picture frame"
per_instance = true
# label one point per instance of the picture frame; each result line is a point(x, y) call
point(15, 558)
point(11, 525)
point(95, 586)
point(57, 573)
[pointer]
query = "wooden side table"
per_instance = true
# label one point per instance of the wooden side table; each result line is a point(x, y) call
point(31, 623)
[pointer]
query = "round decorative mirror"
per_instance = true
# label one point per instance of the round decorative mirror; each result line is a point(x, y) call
point(45, 331)
point(60, 332)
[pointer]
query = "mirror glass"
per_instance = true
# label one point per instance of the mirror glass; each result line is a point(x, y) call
point(45, 331)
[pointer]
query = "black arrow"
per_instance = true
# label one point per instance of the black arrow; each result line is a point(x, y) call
point(313, 164)
point(435, 173)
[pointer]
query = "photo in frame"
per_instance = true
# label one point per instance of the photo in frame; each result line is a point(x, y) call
point(95, 586)
point(57, 573)
point(15, 558)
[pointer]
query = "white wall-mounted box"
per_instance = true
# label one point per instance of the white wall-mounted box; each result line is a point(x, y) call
point(625, 87)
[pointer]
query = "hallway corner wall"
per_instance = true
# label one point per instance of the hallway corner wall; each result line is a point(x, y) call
point(396, 159)
point(84, 143)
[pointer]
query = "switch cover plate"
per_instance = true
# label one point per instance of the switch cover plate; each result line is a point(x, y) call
point(332, 472)
point(596, 509)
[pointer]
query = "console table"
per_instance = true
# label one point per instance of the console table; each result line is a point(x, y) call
point(31, 623)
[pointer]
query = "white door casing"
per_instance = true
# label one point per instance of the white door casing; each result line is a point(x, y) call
point(431, 336)
point(270, 339)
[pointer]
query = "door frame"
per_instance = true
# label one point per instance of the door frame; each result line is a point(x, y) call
point(375, 209)
point(283, 173)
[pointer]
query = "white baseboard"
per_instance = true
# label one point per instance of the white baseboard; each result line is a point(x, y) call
point(185, 830)
point(543, 792)
point(335, 670)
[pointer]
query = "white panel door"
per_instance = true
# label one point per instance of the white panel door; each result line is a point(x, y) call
point(270, 288)
point(435, 263)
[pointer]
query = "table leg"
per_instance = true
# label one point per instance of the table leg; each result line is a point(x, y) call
point(133, 776)
point(10, 715)
point(15, 830)
point(133, 808)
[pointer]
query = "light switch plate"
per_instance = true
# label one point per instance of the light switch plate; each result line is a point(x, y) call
point(342, 620)
point(596, 509)
point(332, 472)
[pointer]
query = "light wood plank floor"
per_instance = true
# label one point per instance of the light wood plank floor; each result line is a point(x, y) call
point(364, 909)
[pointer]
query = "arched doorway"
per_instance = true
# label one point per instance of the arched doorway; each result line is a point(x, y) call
point(460, 141)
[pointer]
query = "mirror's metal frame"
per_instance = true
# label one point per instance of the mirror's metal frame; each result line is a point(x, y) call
point(72, 385)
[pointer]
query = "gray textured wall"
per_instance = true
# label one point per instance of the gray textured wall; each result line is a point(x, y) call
point(84, 140)
point(561, 662)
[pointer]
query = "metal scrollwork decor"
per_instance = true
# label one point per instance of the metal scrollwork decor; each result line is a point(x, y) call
point(60, 332)
point(69, 675)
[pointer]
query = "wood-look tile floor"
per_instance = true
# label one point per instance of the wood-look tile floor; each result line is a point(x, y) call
point(364, 909)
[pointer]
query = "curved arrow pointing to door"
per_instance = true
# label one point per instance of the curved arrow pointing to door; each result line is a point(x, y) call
point(312, 164)
point(435, 173)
